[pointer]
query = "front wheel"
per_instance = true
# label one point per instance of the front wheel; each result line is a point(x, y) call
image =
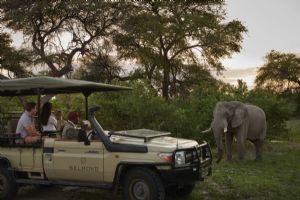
point(143, 184)
point(8, 186)
point(180, 190)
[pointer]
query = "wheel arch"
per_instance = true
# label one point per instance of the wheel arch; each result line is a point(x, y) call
point(124, 167)
point(4, 162)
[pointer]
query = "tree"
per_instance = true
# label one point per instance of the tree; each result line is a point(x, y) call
point(11, 60)
point(98, 68)
point(165, 37)
point(45, 23)
point(280, 73)
point(101, 66)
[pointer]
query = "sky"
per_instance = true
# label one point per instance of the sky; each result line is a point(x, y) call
point(271, 24)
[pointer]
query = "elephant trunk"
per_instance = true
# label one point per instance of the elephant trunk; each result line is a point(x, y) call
point(219, 127)
point(220, 146)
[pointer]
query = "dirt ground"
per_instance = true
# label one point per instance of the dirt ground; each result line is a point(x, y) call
point(64, 193)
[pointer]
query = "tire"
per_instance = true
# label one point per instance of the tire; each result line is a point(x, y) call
point(180, 190)
point(8, 186)
point(142, 184)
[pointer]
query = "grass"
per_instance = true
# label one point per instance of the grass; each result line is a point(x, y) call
point(294, 126)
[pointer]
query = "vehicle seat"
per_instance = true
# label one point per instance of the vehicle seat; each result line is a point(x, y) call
point(12, 126)
point(81, 136)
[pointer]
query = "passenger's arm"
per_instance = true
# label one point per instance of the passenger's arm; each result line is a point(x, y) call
point(30, 129)
point(28, 125)
point(53, 121)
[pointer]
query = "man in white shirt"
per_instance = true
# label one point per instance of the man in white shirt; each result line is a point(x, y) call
point(26, 128)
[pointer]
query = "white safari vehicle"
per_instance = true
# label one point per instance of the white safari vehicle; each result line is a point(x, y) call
point(144, 164)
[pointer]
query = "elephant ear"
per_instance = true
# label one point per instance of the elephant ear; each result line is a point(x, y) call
point(238, 118)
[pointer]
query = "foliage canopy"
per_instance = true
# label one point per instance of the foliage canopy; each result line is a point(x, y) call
point(280, 73)
point(167, 38)
point(12, 60)
point(46, 23)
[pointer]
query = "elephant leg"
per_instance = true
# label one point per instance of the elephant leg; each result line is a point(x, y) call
point(240, 146)
point(229, 139)
point(258, 149)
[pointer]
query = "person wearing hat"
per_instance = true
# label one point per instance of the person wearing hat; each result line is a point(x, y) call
point(70, 130)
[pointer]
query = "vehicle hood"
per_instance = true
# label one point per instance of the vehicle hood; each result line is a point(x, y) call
point(159, 144)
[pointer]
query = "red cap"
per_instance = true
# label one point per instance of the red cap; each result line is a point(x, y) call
point(73, 116)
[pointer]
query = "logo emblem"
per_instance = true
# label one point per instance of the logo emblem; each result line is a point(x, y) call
point(83, 161)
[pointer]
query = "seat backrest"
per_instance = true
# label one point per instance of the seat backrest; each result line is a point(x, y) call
point(81, 136)
point(12, 126)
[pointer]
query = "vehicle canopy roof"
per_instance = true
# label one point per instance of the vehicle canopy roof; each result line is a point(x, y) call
point(50, 85)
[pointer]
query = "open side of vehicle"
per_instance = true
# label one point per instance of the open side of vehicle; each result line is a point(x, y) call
point(144, 163)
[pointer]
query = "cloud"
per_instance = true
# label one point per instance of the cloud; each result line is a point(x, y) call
point(232, 75)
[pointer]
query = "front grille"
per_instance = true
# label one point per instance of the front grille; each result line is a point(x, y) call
point(198, 155)
point(192, 156)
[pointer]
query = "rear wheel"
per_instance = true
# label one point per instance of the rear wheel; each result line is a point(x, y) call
point(143, 184)
point(8, 186)
point(180, 190)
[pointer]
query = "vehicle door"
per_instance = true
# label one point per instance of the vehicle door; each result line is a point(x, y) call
point(76, 161)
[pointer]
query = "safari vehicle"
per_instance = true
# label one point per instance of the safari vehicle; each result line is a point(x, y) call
point(144, 164)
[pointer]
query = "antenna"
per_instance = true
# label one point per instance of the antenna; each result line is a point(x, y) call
point(176, 139)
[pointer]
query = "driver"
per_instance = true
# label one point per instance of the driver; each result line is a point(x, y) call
point(26, 128)
point(70, 130)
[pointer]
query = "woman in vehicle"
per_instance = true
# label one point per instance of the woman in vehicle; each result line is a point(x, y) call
point(48, 121)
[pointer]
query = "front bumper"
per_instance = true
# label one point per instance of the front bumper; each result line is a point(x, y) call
point(200, 167)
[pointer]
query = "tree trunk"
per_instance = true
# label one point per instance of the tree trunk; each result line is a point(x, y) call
point(166, 83)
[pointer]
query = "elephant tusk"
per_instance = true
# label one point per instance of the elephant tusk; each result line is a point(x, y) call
point(206, 131)
point(225, 130)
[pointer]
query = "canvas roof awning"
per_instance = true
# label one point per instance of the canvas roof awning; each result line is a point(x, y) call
point(50, 85)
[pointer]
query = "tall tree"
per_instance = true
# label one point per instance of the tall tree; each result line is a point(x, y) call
point(60, 31)
point(13, 62)
point(99, 66)
point(280, 73)
point(166, 37)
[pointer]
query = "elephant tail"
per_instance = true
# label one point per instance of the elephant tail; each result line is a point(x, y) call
point(207, 130)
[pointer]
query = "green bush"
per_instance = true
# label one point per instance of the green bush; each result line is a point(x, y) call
point(139, 108)
point(9, 104)
point(184, 116)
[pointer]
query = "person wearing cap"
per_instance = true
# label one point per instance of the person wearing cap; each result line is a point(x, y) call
point(70, 130)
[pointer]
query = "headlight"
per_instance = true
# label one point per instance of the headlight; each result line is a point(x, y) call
point(179, 158)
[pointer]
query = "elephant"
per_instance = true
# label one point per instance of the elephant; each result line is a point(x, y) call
point(244, 121)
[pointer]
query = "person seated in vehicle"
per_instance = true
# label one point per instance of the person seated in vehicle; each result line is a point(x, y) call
point(48, 121)
point(70, 130)
point(26, 126)
point(60, 121)
point(86, 125)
